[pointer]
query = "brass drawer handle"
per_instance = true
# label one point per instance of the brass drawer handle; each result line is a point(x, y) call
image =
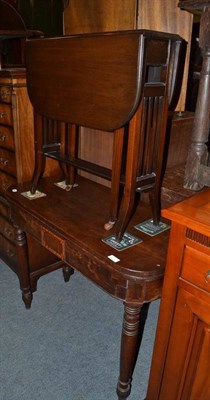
point(207, 276)
point(2, 115)
point(2, 137)
point(3, 161)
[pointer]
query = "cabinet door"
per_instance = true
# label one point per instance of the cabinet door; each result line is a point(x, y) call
point(187, 365)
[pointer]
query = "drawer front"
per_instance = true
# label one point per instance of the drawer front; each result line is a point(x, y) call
point(6, 94)
point(6, 229)
point(7, 137)
point(196, 267)
point(7, 161)
point(6, 114)
point(6, 181)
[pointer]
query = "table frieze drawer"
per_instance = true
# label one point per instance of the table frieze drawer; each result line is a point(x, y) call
point(7, 161)
point(6, 114)
point(91, 267)
point(6, 94)
point(53, 243)
point(7, 137)
point(196, 267)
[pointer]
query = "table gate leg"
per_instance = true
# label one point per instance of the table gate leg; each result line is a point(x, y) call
point(22, 254)
point(132, 332)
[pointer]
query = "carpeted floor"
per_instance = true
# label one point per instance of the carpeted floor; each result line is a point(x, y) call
point(67, 346)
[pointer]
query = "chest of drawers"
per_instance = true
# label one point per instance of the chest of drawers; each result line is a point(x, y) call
point(181, 358)
point(16, 165)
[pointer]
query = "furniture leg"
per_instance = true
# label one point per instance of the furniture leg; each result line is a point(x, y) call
point(132, 332)
point(129, 194)
point(116, 175)
point(39, 156)
point(71, 150)
point(67, 272)
point(154, 198)
point(22, 253)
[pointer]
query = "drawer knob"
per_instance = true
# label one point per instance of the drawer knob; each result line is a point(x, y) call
point(2, 137)
point(2, 115)
point(3, 161)
point(207, 277)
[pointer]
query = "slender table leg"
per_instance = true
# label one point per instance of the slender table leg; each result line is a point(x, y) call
point(132, 332)
point(22, 254)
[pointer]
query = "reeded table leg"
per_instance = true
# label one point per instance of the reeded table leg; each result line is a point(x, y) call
point(132, 331)
point(22, 253)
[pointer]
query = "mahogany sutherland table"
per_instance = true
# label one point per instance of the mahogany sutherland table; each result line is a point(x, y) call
point(70, 225)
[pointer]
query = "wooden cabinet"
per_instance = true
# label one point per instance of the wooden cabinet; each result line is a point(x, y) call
point(181, 359)
point(16, 156)
point(16, 165)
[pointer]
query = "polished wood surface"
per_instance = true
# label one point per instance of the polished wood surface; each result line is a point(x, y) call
point(120, 81)
point(181, 358)
point(88, 16)
point(70, 225)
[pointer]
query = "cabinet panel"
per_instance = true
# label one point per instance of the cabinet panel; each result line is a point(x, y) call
point(83, 16)
point(190, 334)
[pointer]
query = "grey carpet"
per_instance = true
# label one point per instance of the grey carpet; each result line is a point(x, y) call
point(67, 346)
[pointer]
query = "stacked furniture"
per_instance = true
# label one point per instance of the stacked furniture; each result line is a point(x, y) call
point(122, 82)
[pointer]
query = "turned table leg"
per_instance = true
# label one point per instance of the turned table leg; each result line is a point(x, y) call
point(22, 254)
point(132, 332)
